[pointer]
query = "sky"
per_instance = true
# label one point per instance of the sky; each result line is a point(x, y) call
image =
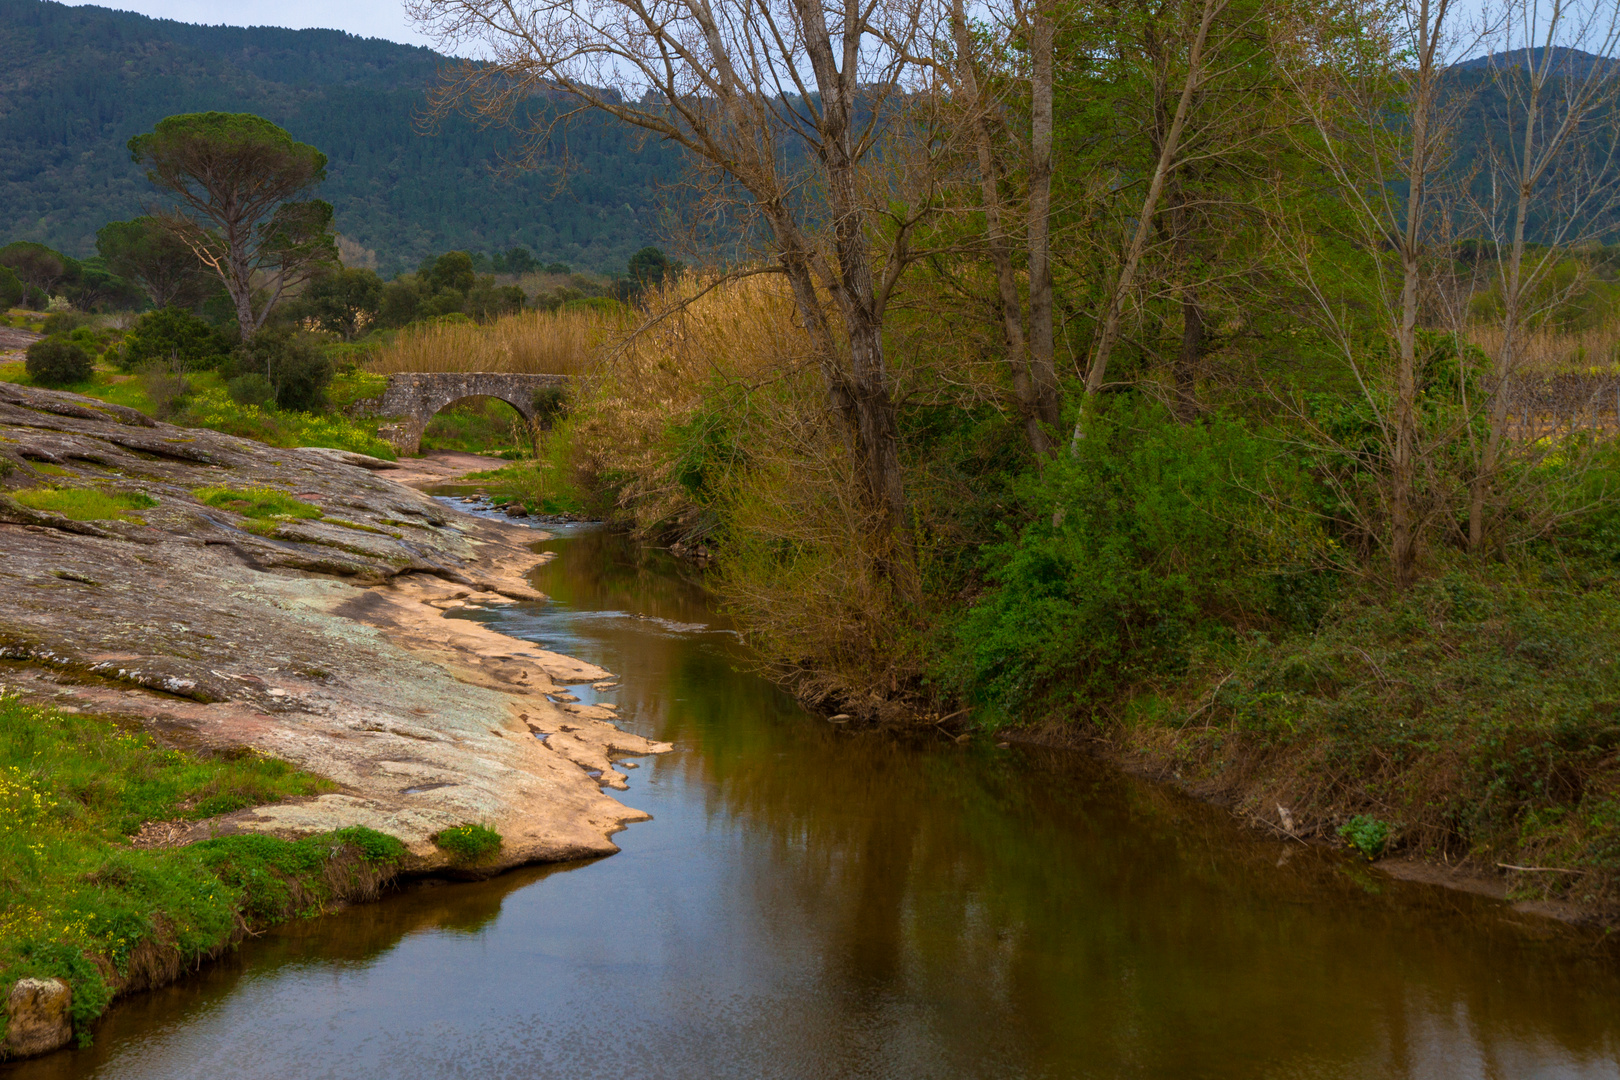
point(368, 18)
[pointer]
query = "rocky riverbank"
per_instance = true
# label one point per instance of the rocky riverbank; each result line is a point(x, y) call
point(137, 581)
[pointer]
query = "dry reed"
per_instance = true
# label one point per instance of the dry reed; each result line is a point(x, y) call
point(1545, 352)
point(537, 342)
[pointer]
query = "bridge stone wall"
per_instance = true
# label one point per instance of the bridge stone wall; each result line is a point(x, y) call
point(413, 397)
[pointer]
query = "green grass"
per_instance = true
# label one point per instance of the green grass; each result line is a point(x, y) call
point(468, 843)
point(76, 902)
point(86, 504)
point(477, 426)
point(543, 485)
point(256, 502)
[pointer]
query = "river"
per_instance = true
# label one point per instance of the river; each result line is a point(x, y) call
point(815, 901)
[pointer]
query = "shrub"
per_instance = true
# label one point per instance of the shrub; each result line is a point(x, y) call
point(85, 504)
point(1366, 834)
point(63, 322)
point(251, 389)
point(1145, 541)
point(468, 843)
point(165, 386)
point(175, 337)
point(57, 362)
point(292, 363)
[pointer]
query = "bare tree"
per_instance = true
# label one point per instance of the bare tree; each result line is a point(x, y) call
point(749, 89)
point(1553, 156)
point(1380, 120)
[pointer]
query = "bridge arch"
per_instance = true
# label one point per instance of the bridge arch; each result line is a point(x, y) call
point(415, 397)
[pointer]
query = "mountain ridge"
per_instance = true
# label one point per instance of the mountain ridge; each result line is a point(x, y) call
point(77, 82)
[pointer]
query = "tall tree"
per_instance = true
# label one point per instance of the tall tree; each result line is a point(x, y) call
point(238, 180)
point(36, 265)
point(739, 85)
point(156, 260)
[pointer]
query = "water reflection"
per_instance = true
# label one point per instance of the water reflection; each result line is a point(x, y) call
point(811, 901)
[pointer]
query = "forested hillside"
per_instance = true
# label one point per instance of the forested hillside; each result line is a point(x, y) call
point(77, 82)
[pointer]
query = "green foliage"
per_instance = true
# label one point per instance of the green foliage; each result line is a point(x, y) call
point(342, 301)
point(256, 502)
point(1145, 541)
point(550, 404)
point(210, 406)
point(296, 367)
point(58, 362)
point(176, 338)
point(468, 843)
point(156, 260)
point(11, 289)
point(1366, 834)
point(251, 389)
point(650, 268)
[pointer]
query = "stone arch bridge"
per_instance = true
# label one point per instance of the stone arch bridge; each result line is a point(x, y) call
point(414, 397)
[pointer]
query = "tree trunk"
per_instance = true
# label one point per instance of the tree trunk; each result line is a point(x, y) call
point(876, 433)
point(1043, 363)
point(1011, 307)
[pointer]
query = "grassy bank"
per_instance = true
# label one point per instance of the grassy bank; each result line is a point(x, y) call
point(80, 902)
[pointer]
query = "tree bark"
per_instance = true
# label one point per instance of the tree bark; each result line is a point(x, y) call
point(1043, 364)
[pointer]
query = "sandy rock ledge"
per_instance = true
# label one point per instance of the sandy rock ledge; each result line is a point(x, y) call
point(323, 642)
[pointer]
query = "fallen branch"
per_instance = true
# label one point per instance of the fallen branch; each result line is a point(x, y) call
point(1539, 869)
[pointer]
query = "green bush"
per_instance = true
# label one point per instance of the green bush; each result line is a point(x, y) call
point(468, 843)
point(1366, 834)
point(63, 322)
point(1144, 541)
point(178, 338)
point(251, 389)
point(294, 365)
point(11, 290)
point(58, 362)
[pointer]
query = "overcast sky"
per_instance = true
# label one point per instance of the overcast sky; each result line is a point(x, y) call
point(368, 18)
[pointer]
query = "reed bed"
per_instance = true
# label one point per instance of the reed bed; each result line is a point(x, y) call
point(530, 342)
point(1545, 352)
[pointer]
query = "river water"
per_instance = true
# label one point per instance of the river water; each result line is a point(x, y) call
point(811, 901)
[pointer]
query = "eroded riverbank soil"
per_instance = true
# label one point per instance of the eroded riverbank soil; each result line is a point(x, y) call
point(319, 641)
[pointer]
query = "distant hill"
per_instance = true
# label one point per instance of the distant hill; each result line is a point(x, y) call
point(1569, 62)
point(77, 82)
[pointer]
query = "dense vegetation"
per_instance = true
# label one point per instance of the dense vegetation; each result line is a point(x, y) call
point(83, 80)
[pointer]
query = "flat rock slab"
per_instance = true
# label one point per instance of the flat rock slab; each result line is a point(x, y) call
point(322, 642)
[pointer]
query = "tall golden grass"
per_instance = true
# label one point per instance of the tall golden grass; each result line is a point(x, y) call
point(534, 342)
point(1546, 352)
